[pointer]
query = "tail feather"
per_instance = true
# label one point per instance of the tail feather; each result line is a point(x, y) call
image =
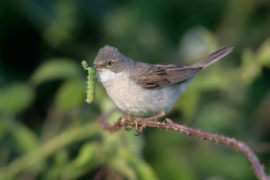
point(215, 56)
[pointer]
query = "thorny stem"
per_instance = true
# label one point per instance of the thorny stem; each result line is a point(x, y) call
point(182, 129)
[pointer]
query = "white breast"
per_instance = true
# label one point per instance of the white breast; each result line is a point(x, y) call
point(133, 99)
point(108, 76)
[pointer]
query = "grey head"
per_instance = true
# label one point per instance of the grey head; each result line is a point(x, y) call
point(110, 58)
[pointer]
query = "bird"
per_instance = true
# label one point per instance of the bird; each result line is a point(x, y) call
point(146, 90)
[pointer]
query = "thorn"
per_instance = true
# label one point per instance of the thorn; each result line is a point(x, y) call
point(168, 121)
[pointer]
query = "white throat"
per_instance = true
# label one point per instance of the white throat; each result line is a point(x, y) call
point(106, 76)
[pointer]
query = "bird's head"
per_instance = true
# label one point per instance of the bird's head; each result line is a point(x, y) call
point(111, 64)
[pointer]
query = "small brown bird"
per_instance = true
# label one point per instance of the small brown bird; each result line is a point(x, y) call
point(143, 89)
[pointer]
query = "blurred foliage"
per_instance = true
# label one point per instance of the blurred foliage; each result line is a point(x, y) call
point(47, 131)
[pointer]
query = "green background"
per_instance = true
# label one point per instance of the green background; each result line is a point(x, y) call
point(47, 131)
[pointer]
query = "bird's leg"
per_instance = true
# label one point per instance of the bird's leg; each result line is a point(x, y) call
point(155, 117)
point(128, 117)
point(139, 129)
point(141, 121)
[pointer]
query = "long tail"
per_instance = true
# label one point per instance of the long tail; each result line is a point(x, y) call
point(215, 56)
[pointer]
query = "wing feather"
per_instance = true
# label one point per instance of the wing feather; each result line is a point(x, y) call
point(151, 76)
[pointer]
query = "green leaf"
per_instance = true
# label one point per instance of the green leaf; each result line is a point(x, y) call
point(15, 98)
point(250, 67)
point(86, 154)
point(85, 161)
point(56, 69)
point(143, 170)
point(120, 165)
point(70, 96)
point(263, 54)
point(56, 167)
point(24, 138)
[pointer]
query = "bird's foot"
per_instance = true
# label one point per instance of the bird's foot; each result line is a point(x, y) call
point(128, 117)
point(140, 122)
point(139, 125)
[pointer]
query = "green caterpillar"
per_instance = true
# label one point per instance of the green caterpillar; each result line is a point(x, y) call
point(91, 82)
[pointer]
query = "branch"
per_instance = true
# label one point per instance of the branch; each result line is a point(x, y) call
point(182, 129)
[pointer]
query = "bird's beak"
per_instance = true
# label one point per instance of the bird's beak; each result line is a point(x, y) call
point(97, 67)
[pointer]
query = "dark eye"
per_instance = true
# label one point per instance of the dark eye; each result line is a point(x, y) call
point(109, 63)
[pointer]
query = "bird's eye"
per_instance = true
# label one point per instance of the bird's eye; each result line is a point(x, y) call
point(109, 63)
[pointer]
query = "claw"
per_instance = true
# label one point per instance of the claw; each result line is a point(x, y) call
point(128, 128)
point(136, 121)
point(139, 130)
point(137, 134)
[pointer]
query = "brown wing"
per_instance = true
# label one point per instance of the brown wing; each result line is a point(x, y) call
point(157, 76)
